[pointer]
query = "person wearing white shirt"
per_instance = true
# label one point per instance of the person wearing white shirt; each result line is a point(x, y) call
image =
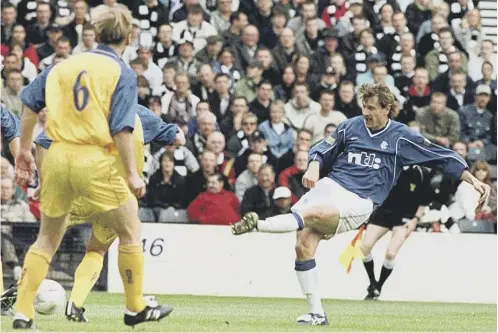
point(194, 28)
point(299, 107)
point(317, 122)
point(152, 72)
point(88, 42)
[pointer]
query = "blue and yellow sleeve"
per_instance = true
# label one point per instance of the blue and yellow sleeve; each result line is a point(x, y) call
point(155, 129)
point(123, 102)
point(11, 126)
point(33, 96)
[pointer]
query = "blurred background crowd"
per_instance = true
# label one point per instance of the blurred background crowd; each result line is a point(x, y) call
point(255, 83)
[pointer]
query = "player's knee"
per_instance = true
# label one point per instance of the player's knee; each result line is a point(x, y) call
point(391, 254)
point(366, 248)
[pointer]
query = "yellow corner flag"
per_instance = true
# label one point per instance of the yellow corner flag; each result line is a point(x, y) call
point(352, 251)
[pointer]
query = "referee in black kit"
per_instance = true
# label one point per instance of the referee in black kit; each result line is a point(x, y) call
point(400, 213)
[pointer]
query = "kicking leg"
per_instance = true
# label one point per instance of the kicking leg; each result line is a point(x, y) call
point(86, 275)
point(397, 240)
point(36, 264)
point(307, 275)
point(372, 235)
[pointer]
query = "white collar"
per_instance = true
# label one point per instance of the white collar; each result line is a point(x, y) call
point(377, 133)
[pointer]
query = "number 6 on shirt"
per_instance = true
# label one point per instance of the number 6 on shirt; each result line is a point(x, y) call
point(80, 93)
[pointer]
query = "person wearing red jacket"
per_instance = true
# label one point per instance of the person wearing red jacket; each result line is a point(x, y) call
point(216, 205)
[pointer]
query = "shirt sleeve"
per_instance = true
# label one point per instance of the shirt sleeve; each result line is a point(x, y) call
point(327, 150)
point(33, 96)
point(155, 129)
point(43, 140)
point(123, 102)
point(11, 126)
point(413, 148)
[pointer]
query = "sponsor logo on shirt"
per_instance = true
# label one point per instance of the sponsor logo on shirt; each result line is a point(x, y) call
point(364, 159)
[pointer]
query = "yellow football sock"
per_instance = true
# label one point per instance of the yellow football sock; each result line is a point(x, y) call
point(35, 270)
point(85, 277)
point(131, 268)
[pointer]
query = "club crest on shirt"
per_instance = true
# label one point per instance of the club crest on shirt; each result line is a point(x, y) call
point(330, 140)
point(384, 145)
point(427, 142)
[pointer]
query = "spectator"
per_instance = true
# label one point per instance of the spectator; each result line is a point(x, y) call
point(11, 63)
point(220, 18)
point(261, 105)
point(469, 32)
point(196, 182)
point(419, 96)
point(19, 35)
point(286, 50)
point(151, 14)
point(487, 76)
point(259, 198)
point(329, 130)
point(192, 123)
point(283, 91)
point(299, 107)
point(436, 61)
point(36, 32)
point(404, 77)
point(62, 49)
point(379, 75)
point(165, 48)
point(391, 40)
point(477, 121)
point(292, 176)
point(185, 60)
point(216, 205)
point(74, 28)
point(9, 15)
point(328, 82)
point(232, 121)
point(321, 57)
point(10, 94)
point(232, 36)
point(466, 199)
point(181, 103)
point(246, 50)
point(303, 73)
point(346, 101)
point(455, 64)
point(239, 141)
point(248, 86)
point(461, 149)
point(166, 186)
point(205, 88)
point(249, 177)
point(443, 10)
point(357, 64)
point(308, 11)
point(225, 161)
point(279, 135)
point(221, 99)
point(169, 72)
point(185, 162)
point(458, 12)
point(270, 70)
point(12, 209)
point(418, 12)
point(278, 21)
point(476, 63)
point(316, 122)
point(152, 72)
point(459, 95)
point(302, 142)
point(206, 124)
point(334, 12)
point(181, 13)
point(438, 123)
point(351, 40)
point(144, 90)
point(226, 65)
point(88, 40)
point(261, 18)
point(386, 21)
point(281, 201)
point(373, 61)
point(257, 144)
point(44, 50)
point(209, 54)
point(310, 39)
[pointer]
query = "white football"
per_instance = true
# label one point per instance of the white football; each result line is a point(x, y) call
point(50, 298)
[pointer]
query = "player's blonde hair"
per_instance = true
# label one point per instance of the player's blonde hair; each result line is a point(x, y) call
point(384, 96)
point(112, 24)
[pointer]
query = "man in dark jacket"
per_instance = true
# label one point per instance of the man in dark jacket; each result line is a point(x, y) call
point(259, 198)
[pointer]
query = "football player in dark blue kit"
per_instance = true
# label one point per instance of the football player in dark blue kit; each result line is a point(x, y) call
point(400, 213)
point(366, 155)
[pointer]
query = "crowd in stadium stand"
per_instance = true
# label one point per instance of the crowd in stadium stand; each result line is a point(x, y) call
point(255, 83)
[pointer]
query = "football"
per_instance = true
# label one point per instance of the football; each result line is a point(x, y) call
point(50, 298)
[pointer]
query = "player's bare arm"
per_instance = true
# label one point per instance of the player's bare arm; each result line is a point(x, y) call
point(312, 174)
point(25, 162)
point(15, 146)
point(479, 186)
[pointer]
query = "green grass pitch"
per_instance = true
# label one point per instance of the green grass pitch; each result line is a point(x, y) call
point(234, 314)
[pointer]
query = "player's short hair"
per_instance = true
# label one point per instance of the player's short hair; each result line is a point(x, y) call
point(112, 24)
point(384, 96)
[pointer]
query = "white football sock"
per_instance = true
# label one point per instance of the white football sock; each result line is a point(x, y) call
point(389, 264)
point(307, 276)
point(280, 223)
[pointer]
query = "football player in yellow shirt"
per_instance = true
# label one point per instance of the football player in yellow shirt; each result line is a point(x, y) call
point(91, 99)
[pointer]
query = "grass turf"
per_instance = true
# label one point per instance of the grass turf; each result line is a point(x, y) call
point(234, 314)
